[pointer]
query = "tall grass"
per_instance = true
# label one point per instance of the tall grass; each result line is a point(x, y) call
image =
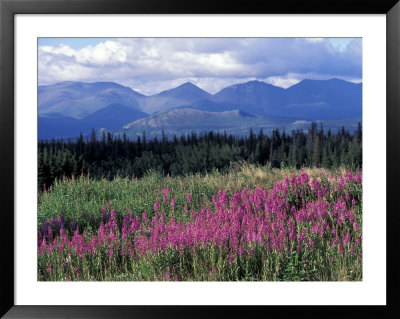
point(253, 223)
point(83, 195)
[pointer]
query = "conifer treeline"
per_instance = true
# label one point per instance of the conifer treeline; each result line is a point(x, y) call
point(109, 156)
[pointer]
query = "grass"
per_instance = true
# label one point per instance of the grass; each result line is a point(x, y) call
point(84, 194)
point(76, 195)
point(81, 197)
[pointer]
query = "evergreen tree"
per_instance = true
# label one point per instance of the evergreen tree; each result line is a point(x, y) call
point(316, 156)
point(194, 153)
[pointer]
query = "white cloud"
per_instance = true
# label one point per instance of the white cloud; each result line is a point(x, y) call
point(314, 40)
point(155, 64)
point(283, 81)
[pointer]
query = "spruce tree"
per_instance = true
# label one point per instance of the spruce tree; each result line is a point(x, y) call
point(316, 155)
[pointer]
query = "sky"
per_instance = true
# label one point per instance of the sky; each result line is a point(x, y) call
point(151, 65)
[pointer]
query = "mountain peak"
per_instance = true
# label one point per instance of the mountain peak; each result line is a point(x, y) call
point(255, 82)
point(321, 82)
point(187, 85)
point(336, 80)
point(185, 89)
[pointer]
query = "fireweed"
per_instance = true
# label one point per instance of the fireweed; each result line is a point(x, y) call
point(302, 229)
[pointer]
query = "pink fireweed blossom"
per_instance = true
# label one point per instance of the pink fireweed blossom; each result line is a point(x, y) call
point(50, 233)
point(42, 246)
point(92, 245)
point(113, 219)
point(165, 194)
point(156, 206)
point(144, 217)
point(303, 178)
point(230, 259)
point(188, 197)
point(340, 184)
point(52, 245)
point(311, 242)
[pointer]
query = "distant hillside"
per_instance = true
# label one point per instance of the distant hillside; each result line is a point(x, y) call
point(184, 121)
point(60, 127)
point(112, 117)
point(78, 100)
point(254, 97)
point(324, 100)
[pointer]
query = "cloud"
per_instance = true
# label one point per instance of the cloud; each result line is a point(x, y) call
point(151, 65)
point(314, 40)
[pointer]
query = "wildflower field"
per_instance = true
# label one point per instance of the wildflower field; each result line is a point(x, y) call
point(251, 223)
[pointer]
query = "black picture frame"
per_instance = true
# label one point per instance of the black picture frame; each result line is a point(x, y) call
point(8, 8)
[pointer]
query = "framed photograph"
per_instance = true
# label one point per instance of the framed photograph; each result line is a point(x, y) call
point(183, 159)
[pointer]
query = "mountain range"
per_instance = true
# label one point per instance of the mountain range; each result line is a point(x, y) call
point(66, 109)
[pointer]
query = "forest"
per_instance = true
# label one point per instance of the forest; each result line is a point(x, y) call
point(111, 156)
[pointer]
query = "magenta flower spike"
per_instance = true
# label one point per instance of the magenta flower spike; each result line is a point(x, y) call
point(156, 206)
